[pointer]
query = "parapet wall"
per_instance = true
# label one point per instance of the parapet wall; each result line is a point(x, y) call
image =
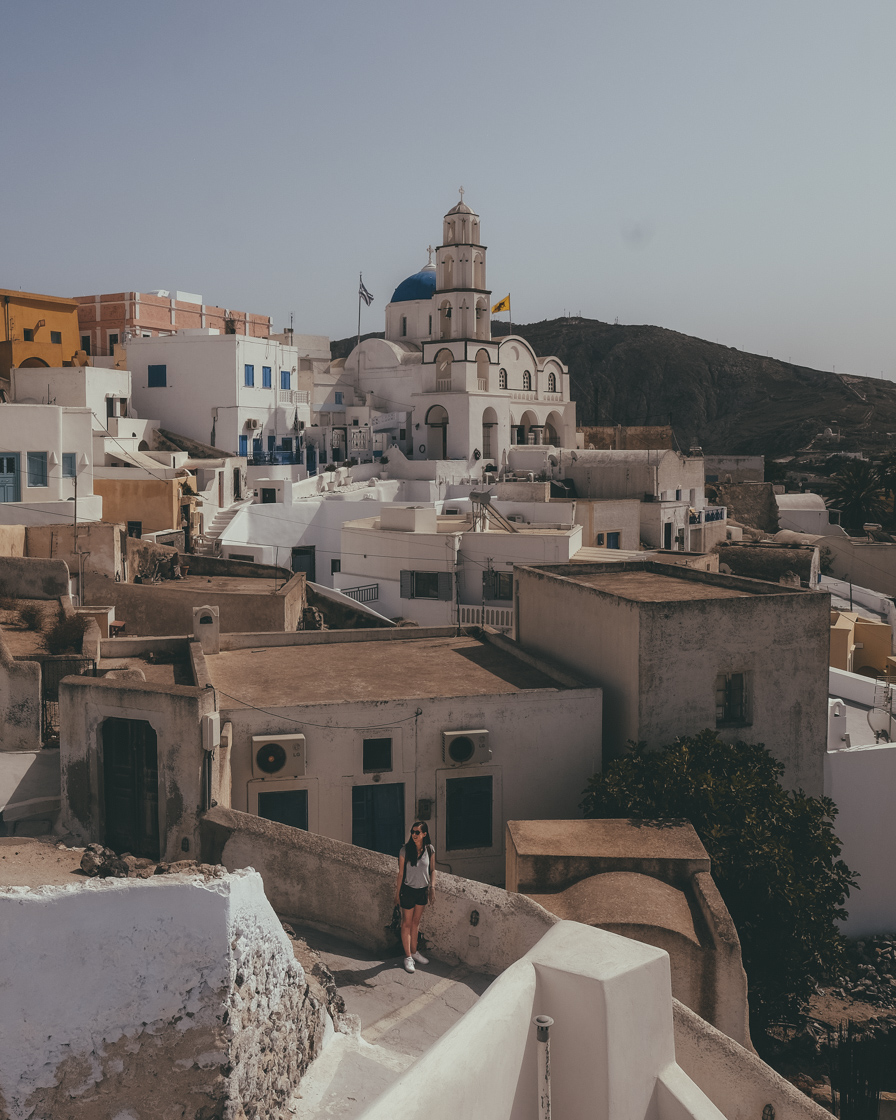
point(33, 577)
point(349, 891)
point(182, 996)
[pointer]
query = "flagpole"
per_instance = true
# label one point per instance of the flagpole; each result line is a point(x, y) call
point(509, 317)
point(360, 283)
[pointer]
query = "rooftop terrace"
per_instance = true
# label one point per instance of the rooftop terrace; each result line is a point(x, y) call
point(375, 670)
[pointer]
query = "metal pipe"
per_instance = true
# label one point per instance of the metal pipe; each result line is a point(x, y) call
point(543, 1024)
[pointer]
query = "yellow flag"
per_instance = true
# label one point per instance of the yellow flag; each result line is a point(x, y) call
point(502, 305)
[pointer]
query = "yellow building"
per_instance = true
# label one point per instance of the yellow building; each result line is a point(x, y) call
point(37, 330)
point(860, 645)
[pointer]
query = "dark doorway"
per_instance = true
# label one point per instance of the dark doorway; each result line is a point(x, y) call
point(268, 495)
point(667, 535)
point(303, 561)
point(378, 817)
point(237, 493)
point(131, 798)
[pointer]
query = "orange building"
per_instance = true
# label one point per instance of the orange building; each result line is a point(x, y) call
point(37, 330)
point(106, 321)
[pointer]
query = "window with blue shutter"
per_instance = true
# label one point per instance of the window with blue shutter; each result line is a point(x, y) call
point(156, 377)
point(244, 445)
point(249, 375)
point(285, 379)
point(265, 377)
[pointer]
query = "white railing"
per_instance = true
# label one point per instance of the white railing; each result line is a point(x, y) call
point(552, 396)
point(294, 396)
point(443, 385)
point(501, 618)
point(523, 395)
point(482, 383)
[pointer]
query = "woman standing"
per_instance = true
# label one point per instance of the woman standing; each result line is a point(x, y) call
point(414, 888)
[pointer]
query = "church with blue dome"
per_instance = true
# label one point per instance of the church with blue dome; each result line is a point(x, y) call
point(438, 384)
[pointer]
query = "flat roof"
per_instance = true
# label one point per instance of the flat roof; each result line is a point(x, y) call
point(613, 837)
point(377, 670)
point(647, 581)
point(650, 587)
point(223, 585)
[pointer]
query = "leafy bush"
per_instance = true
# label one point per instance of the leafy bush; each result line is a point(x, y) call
point(67, 635)
point(32, 616)
point(774, 855)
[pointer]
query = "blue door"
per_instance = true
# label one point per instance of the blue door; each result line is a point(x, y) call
point(244, 446)
point(9, 478)
point(378, 817)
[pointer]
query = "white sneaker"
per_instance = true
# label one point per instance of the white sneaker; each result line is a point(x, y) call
point(419, 958)
point(409, 964)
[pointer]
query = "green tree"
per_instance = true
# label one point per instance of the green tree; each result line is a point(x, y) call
point(855, 490)
point(886, 477)
point(773, 852)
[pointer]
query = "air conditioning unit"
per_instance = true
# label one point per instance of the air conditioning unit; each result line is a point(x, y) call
point(278, 756)
point(253, 424)
point(516, 518)
point(465, 748)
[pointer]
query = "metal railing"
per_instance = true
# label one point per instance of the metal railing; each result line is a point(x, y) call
point(714, 513)
point(367, 594)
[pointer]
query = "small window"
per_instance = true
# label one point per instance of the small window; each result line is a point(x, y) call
point(599, 540)
point(377, 755)
point(496, 585)
point(402, 433)
point(468, 804)
point(266, 377)
point(337, 397)
point(286, 443)
point(426, 585)
point(527, 380)
point(272, 442)
point(612, 540)
point(157, 377)
point(37, 468)
point(113, 342)
point(56, 338)
point(268, 495)
point(28, 334)
point(69, 465)
point(85, 343)
point(335, 566)
point(404, 325)
point(285, 379)
point(249, 375)
point(355, 422)
point(430, 324)
point(502, 379)
point(732, 700)
point(552, 383)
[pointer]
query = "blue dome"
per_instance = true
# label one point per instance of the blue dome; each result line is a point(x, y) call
point(419, 286)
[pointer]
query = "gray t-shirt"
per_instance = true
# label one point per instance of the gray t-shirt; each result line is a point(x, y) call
point(416, 875)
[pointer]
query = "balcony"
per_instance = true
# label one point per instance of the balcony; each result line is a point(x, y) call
point(705, 516)
point(443, 385)
point(294, 396)
point(482, 384)
point(370, 593)
point(524, 395)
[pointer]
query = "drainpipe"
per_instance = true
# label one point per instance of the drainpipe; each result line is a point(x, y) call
point(543, 1024)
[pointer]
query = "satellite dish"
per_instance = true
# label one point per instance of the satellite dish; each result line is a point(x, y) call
point(879, 722)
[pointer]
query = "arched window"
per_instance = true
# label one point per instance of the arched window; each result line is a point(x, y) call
point(527, 380)
point(404, 325)
point(502, 379)
point(448, 271)
point(445, 320)
point(475, 235)
point(482, 369)
point(449, 232)
point(478, 270)
point(481, 319)
point(552, 383)
point(443, 370)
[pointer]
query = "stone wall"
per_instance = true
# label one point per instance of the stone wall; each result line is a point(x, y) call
point(19, 702)
point(186, 1000)
point(27, 577)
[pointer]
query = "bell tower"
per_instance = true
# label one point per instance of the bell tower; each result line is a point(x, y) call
point(461, 300)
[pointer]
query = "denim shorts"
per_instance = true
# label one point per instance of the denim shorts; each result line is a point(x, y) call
point(409, 897)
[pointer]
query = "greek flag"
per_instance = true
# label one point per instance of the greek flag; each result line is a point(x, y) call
point(365, 295)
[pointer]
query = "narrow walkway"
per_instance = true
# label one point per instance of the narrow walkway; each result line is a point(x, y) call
point(401, 1016)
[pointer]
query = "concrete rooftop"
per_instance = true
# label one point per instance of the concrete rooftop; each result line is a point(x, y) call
point(379, 670)
point(651, 587)
point(224, 585)
point(629, 839)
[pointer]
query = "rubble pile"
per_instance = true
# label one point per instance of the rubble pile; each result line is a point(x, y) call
point(874, 979)
point(101, 862)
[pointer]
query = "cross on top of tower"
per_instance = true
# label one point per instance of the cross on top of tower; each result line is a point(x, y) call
point(462, 192)
point(430, 251)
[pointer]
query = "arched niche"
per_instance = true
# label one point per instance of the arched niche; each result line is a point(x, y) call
point(437, 431)
point(489, 425)
point(445, 319)
point(481, 319)
point(553, 428)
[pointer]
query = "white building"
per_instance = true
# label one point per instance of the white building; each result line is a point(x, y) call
point(448, 389)
point(454, 566)
point(807, 513)
point(46, 460)
point(248, 396)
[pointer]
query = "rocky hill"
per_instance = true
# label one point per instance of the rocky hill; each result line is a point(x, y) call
point(721, 398)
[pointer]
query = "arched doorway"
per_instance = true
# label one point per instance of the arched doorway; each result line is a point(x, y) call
point(529, 430)
point(482, 364)
point(553, 427)
point(444, 359)
point(131, 787)
point(489, 428)
point(437, 441)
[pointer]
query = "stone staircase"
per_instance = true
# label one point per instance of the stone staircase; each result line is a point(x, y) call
point(207, 545)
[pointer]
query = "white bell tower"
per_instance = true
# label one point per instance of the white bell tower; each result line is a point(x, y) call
point(461, 303)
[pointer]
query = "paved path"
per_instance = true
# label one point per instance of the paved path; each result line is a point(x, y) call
point(401, 1016)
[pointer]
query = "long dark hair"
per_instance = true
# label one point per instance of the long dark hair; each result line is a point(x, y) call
point(410, 849)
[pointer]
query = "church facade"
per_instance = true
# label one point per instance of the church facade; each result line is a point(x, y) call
point(452, 389)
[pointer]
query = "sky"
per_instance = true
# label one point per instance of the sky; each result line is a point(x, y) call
point(722, 169)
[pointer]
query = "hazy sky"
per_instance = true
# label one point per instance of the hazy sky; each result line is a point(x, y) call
point(722, 168)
